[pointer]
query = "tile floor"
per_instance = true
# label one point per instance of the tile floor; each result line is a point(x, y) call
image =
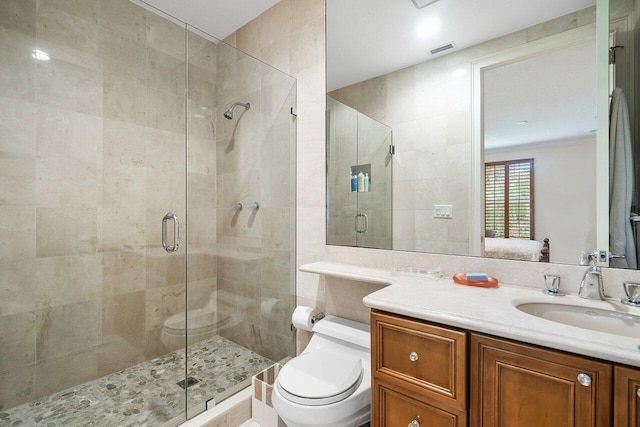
point(145, 394)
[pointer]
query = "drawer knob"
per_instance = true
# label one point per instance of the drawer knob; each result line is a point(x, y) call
point(584, 379)
point(414, 423)
point(638, 391)
point(413, 356)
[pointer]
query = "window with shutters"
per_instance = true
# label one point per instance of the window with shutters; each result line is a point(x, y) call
point(508, 206)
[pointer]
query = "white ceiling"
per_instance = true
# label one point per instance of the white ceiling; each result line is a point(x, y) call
point(369, 38)
point(218, 18)
point(555, 93)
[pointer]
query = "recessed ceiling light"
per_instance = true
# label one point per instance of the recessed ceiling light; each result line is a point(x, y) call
point(523, 122)
point(460, 72)
point(40, 55)
point(429, 27)
point(419, 4)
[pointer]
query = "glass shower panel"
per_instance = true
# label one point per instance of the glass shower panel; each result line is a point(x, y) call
point(92, 157)
point(241, 219)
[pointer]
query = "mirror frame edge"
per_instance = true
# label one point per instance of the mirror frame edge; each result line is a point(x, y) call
point(602, 135)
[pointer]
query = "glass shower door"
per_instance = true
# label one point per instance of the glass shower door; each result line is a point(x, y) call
point(374, 202)
point(92, 158)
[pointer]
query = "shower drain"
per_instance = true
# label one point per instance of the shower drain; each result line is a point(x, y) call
point(187, 383)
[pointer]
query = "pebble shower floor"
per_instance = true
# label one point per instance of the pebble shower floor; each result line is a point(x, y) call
point(146, 394)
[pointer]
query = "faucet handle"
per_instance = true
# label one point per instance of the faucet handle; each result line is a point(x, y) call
point(632, 289)
point(553, 285)
point(587, 258)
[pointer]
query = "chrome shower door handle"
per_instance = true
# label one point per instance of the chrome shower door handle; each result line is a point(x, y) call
point(366, 223)
point(176, 232)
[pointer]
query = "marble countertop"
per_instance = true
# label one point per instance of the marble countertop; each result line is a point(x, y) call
point(489, 310)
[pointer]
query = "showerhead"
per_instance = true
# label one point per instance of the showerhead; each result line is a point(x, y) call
point(229, 113)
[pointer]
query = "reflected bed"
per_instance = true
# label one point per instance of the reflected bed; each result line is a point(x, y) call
point(517, 249)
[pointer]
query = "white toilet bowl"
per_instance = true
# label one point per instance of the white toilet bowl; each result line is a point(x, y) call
point(329, 383)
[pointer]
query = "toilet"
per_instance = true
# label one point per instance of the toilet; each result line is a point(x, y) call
point(329, 383)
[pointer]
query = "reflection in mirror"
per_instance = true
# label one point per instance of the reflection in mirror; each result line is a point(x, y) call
point(624, 161)
point(383, 63)
point(539, 149)
point(358, 178)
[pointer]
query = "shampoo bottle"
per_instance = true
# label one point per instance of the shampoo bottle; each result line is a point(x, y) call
point(366, 183)
point(354, 181)
point(360, 182)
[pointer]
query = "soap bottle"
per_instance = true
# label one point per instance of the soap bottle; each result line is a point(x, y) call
point(366, 182)
point(360, 182)
point(354, 181)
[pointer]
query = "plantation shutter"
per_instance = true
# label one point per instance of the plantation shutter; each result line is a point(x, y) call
point(509, 198)
point(494, 201)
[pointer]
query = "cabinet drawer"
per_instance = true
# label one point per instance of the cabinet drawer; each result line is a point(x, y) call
point(424, 358)
point(393, 408)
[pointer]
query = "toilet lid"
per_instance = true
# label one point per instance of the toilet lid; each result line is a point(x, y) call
point(320, 378)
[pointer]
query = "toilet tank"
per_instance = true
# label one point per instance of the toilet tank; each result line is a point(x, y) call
point(345, 330)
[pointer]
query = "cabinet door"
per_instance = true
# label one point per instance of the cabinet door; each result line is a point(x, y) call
point(627, 397)
point(396, 407)
point(526, 386)
point(423, 358)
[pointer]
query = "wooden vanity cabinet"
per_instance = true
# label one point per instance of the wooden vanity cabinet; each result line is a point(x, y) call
point(521, 385)
point(419, 373)
point(626, 397)
point(426, 374)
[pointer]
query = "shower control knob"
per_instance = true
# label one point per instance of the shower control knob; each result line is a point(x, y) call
point(413, 356)
point(414, 423)
point(584, 379)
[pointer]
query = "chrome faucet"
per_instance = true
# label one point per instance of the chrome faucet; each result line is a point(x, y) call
point(591, 286)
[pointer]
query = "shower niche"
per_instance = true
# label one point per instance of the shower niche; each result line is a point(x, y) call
point(359, 168)
point(360, 181)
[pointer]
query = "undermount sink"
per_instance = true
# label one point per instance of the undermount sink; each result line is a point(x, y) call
point(594, 319)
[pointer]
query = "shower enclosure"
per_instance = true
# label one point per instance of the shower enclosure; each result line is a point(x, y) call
point(113, 135)
point(358, 144)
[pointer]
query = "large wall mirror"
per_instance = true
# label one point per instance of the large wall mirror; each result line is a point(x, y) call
point(489, 134)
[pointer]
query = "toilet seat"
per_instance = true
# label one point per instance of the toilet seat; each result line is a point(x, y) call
point(320, 378)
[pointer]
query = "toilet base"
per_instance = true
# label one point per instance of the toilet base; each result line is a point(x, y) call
point(362, 418)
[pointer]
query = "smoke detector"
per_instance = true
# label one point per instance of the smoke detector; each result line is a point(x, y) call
point(419, 4)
